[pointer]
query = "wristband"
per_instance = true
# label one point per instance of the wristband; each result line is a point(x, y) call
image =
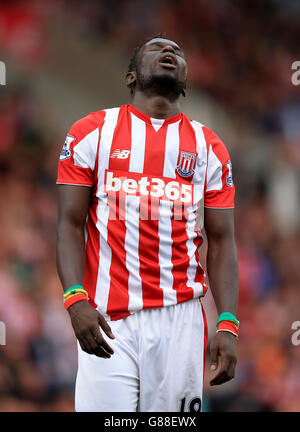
point(74, 299)
point(72, 288)
point(74, 292)
point(228, 326)
point(228, 316)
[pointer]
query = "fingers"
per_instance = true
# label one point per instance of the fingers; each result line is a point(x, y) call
point(214, 353)
point(226, 372)
point(219, 379)
point(100, 341)
point(85, 321)
point(92, 342)
point(223, 357)
point(105, 327)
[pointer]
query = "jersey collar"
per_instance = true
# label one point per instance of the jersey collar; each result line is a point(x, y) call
point(151, 120)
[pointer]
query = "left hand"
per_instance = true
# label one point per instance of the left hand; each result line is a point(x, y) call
point(223, 356)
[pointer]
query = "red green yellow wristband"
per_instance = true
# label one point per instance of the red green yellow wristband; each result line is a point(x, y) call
point(228, 316)
point(74, 299)
point(228, 326)
point(74, 287)
point(74, 292)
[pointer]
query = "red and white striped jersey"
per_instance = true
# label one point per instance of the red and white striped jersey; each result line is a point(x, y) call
point(150, 180)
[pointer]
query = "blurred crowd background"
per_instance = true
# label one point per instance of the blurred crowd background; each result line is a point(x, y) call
point(67, 58)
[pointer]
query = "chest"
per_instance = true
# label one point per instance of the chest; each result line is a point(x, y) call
point(166, 163)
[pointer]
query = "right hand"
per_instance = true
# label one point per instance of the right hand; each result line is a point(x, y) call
point(85, 322)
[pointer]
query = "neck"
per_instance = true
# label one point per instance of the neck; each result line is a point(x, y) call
point(154, 105)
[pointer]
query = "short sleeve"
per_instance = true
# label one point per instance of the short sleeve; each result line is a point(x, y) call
point(78, 156)
point(219, 187)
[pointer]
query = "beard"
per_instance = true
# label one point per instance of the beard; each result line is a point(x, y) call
point(163, 84)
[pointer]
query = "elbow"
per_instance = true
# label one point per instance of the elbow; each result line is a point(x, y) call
point(221, 244)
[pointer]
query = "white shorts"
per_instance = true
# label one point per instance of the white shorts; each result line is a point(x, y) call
point(157, 365)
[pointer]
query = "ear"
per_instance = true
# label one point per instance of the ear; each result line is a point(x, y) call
point(130, 78)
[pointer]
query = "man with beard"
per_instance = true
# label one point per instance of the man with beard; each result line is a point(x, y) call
point(134, 183)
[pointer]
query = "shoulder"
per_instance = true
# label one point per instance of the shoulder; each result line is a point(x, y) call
point(92, 122)
point(208, 133)
point(206, 136)
point(87, 124)
point(212, 138)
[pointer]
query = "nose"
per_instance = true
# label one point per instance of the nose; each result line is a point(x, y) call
point(168, 48)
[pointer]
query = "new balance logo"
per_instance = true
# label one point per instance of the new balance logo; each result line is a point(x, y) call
point(120, 154)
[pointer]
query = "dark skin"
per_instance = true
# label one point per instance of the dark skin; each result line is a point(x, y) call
point(73, 203)
point(222, 268)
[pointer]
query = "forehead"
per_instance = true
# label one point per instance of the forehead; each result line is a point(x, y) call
point(162, 41)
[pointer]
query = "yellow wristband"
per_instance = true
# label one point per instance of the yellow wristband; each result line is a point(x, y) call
point(74, 292)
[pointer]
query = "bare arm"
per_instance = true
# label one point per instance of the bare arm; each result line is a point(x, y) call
point(222, 267)
point(73, 203)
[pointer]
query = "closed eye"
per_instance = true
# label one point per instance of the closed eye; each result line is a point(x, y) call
point(157, 47)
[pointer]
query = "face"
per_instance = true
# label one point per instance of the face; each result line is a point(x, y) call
point(161, 63)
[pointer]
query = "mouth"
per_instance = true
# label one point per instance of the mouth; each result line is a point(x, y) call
point(168, 61)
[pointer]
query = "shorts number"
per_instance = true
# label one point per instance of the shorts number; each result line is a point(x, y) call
point(194, 405)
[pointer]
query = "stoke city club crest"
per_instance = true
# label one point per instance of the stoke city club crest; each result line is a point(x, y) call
point(186, 165)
